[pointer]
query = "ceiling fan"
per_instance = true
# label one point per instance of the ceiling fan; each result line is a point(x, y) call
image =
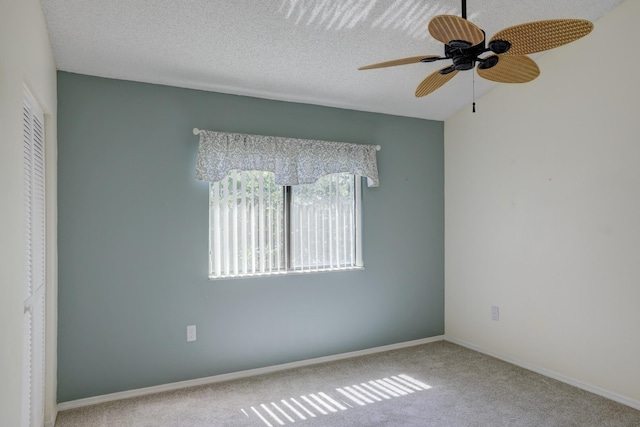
point(465, 45)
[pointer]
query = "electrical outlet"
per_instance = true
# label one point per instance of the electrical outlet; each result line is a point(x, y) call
point(191, 333)
point(495, 312)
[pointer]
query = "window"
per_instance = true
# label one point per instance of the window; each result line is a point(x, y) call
point(279, 205)
point(258, 227)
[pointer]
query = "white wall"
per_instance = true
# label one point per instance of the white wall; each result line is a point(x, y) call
point(25, 58)
point(542, 217)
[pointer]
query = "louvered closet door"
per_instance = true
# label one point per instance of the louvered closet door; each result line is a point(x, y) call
point(34, 284)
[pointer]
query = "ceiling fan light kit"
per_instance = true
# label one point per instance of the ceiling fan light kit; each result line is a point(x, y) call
point(465, 45)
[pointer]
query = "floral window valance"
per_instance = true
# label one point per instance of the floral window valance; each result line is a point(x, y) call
point(293, 161)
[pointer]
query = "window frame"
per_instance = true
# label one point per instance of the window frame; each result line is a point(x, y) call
point(287, 268)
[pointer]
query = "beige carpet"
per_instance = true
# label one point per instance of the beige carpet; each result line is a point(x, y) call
point(437, 384)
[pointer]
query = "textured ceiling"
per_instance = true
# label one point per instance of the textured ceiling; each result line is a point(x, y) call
point(293, 50)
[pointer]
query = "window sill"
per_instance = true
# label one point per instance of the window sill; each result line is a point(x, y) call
point(286, 273)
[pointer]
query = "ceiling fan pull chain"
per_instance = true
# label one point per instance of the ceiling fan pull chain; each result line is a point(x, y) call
point(473, 110)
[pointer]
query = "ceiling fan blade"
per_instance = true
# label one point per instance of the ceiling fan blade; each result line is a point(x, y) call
point(510, 69)
point(446, 28)
point(537, 36)
point(434, 81)
point(402, 61)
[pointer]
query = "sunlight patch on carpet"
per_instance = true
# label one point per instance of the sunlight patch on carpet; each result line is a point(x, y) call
point(320, 404)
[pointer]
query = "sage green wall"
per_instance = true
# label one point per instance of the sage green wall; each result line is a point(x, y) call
point(133, 241)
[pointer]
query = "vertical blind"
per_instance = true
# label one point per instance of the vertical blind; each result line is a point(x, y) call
point(323, 224)
point(247, 225)
point(258, 227)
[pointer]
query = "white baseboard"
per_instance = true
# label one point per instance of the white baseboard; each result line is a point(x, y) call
point(556, 376)
point(237, 375)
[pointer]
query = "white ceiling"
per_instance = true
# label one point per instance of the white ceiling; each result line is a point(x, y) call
point(293, 50)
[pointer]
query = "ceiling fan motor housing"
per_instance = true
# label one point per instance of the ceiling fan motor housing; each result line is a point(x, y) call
point(463, 57)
